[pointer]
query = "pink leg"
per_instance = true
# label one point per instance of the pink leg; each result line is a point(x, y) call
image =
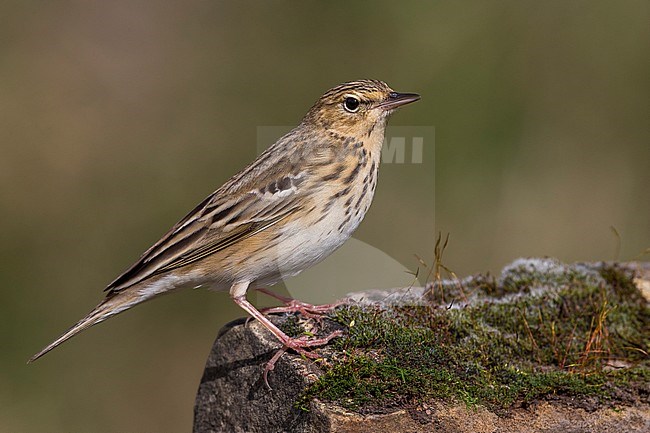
point(238, 294)
point(296, 306)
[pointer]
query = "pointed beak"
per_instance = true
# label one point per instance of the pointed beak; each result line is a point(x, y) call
point(395, 100)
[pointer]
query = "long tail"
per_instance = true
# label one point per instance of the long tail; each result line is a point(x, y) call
point(107, 308)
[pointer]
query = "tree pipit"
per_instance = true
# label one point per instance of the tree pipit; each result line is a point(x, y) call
point(289, 209)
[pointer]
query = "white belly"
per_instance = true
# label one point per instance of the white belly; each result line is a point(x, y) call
point(304, 245)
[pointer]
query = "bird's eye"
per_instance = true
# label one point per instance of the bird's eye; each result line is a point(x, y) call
point(351, 104)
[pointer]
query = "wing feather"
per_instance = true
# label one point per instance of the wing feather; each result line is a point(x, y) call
point(215, 224)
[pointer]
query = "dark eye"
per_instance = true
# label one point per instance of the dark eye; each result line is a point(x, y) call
point(351, 104)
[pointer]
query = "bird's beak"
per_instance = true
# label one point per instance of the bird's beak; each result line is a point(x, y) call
point(395, 100)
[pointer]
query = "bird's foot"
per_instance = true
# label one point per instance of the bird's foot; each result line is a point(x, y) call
point(295, 306)
point(299, 345)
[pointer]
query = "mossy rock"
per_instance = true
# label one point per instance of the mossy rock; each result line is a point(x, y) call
point(542, 330)
point(544, 347)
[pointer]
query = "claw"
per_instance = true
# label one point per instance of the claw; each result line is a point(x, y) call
point(295, 306)
point(298, 344)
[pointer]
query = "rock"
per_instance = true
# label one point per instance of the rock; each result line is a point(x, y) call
point(233, 396)
point(446, 418)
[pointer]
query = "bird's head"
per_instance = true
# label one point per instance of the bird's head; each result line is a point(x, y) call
point(358, 107)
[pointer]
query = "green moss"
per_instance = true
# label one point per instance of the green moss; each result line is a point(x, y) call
point(291, 326)
point(556, 339)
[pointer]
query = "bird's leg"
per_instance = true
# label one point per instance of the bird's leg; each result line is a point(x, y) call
point(299, 344)
point(295, 306)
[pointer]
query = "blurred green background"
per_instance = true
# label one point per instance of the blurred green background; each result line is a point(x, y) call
point(117, 117)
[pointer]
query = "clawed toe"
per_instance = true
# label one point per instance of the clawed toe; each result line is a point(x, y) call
point(299, 345)
point(295, 306)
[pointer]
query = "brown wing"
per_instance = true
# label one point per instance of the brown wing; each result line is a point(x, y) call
point(262, 194)
point(211, 227)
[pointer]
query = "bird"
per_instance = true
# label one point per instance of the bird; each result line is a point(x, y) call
point(294, 205)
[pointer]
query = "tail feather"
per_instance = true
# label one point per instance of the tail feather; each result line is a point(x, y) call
point(107, 308)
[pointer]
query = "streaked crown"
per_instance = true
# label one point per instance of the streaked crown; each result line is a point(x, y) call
point(356, 107)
